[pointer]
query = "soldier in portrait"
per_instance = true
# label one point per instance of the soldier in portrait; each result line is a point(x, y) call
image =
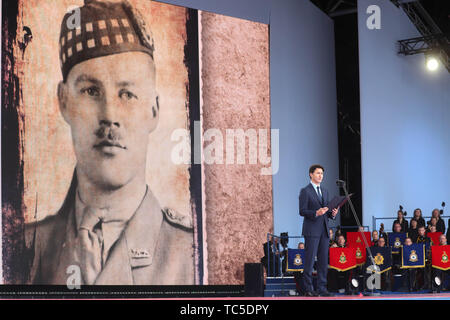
point(111, 225)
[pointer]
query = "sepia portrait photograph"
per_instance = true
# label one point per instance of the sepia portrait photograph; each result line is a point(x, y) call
point(106, 107)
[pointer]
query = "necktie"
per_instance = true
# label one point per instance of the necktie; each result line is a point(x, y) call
point(90, 244)
point(320, 194)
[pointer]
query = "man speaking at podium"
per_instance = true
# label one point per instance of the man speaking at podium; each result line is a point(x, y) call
point(313, 201)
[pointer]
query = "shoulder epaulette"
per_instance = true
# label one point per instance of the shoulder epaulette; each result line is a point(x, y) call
point(174, 217)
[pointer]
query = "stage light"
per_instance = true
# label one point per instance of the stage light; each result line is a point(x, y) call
point(437, 281)
point(354, 286)
point(436, 287)
point(431, 62)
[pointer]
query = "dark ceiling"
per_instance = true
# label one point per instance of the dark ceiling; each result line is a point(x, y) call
point(439, 10)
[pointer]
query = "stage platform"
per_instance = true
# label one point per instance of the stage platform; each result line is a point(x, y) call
point(383, 296)
point(275, 289)
point(284, 288)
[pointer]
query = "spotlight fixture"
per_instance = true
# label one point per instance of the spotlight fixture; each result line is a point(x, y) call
point(431, 62)
point(437, 281)
point(354, 286)
point(436, 285)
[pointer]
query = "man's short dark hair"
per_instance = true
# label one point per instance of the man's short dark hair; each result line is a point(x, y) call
point(422, 227)
point(314, 167)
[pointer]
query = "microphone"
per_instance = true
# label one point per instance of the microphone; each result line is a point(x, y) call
point(340, 183)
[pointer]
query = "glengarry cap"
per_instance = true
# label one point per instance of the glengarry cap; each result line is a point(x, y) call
point(105, 28)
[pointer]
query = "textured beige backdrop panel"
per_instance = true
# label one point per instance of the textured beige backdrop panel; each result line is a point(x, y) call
point(235, 92)
point(48, 153)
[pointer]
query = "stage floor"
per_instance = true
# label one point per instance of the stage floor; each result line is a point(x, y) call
point(383, 296)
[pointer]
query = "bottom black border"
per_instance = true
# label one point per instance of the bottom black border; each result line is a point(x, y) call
point(226, 308)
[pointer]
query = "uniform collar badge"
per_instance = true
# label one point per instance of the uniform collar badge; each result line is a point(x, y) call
point(139, 253)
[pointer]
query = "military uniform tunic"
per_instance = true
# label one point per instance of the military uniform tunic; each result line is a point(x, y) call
point(155, 247)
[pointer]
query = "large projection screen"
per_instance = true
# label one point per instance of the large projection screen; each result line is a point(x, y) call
point(210, 187)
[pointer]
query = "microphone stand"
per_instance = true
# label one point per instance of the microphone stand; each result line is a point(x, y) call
point(374, 266)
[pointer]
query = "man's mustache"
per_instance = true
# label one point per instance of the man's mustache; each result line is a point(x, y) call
point(109, 133)
point(108, 137)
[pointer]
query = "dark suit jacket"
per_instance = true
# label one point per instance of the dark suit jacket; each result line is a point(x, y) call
point(448, 231)
point(440, 226)
point(268, 249)
point(413, 234)
point(420, 222)
point(404, 225)
point(166, 237)
point(309, 203)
